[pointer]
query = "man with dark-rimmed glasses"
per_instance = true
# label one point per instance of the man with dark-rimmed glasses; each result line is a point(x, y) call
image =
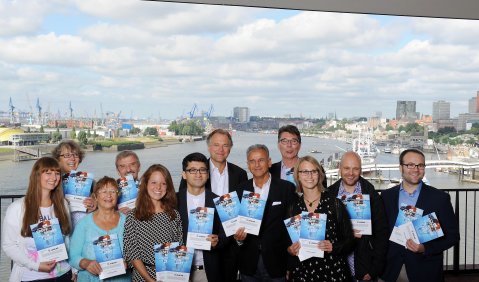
point(418, 262)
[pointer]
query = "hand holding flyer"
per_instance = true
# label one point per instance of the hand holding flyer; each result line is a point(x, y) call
point(251, 212)
point(200, 225)
point(313, 230)
point(77, 188)
point(423, 229)
point(108, 255)
point(49, 242)
point(406, 214)
point(359, 210)
point(228, 206)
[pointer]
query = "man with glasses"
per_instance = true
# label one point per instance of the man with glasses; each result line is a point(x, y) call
point(224, 178)
point(264, 257)
point(369, 256)
point(418, 262)
point(195, 173)
point(289, 144)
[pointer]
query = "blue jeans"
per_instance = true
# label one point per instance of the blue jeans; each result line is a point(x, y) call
point(261, 274)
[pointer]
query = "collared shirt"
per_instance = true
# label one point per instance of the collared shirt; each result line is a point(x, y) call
point(192, 202)
point(263, 191)
point(287, 173)
point(342, 191)
point(409, 199)
point(219, 181)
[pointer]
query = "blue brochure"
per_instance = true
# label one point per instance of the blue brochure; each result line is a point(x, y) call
point(200, 225)
point(228, 206)
point(359, 210)
point(424, 229)
point(293, 225)
point(128, 191)
point(313, 230)
point(77, 189)
point(108, 254)
point(48, 239)
point(161, 259)
point(179, 263)
point(251, 212)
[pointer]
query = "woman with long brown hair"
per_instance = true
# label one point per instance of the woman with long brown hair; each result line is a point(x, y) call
point(154, 221)
point(43, 201)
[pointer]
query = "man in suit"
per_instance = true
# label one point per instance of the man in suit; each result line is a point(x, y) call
point(368, 259)
point(264, 257)
point(418, 262)
point(224, 178)
point(289, 144)
point(195, 173)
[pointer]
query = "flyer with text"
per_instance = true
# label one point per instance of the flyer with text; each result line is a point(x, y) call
point(77, 189)
point(161, 259)
point(179, 263)
point(228, 206)
point(406, 214)
point(200, 225)
point(48, 239)
point(359, 210)
point(423, 229)
point(108, 254)
point(251, 212)
point(313, 230)
point(128, 188)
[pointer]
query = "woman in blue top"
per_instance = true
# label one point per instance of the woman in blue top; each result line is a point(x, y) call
point(103, 222)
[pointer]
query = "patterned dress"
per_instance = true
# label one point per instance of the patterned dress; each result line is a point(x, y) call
point(140, 237)
point(331, 267)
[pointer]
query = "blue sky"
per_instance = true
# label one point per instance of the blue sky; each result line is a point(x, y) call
point(151, 59)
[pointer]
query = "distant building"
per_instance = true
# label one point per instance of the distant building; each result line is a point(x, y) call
point(241, 114)
point(379, 114)
point(406, 110)
point(441, 110)
point(473, 107)
point(466, 120)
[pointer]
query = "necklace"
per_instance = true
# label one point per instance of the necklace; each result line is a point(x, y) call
point(310, 203)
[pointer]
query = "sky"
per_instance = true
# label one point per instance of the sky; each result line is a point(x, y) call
point(153, 59)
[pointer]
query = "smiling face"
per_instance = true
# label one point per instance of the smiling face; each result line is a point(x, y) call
point(156, 186)
point(412, 176)
point(350, 168)
point(219, 148)
point(195, 180)
point(49, 180)
point(128, 165)
point(258, 163)
point(308, 175)
point(69, 160)
point(289, 145)
point(107, 197)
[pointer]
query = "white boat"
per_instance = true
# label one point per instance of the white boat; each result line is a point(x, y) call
point(364, 147)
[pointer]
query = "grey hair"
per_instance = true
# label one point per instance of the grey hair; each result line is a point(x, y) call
point(257, 147)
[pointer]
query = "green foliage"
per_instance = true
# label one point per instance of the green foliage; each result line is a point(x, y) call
point(82, 137)
point(135, 130)
point(389, 127)
point(150, 131)
point(56, 137)
point(88, 133)
point(73, 133)
point(190, 127)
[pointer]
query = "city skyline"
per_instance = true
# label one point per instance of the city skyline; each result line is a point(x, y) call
point(151, 59)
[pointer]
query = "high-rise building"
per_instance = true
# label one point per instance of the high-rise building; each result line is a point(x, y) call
point(473, 104)
point(241, 114)
point(441, 110)
point(406, 110)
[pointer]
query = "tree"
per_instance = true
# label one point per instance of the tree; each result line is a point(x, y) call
point(389, 127)
point(151, 131)
point(57, 137)
point(73, 133)
point(135, 130)
point(82, 137)
point(88, 133)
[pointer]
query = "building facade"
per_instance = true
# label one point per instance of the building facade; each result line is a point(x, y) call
point(406, 110)
point(441, 110)
point(241, 114)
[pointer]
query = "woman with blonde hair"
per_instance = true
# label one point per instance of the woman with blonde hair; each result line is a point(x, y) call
point(153, 221)
point(339, 240)
point(43, 201)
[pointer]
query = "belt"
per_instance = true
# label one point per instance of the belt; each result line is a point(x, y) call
point(197, 267)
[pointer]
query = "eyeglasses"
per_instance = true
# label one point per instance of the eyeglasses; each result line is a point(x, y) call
point(285, 141)
point(308, 172)
point(105, 192)
point(68, 155)
point(413, 166)
point(196, 170)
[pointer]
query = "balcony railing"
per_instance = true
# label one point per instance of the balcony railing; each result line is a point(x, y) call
point(460, 259)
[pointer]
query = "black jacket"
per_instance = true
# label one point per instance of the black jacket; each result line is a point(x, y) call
point(370, 250)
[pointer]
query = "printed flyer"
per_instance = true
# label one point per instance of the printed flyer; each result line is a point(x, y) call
point(48, 239)
point(359, 209)
point(251, 212)
point(128, 191)
point(228, 207)
point(200, 225)
point(77, 189)
point(108, 254)
point(406, 214)
point(161, 259)
point(179, 264)
point(313, 230)
point(423, 229)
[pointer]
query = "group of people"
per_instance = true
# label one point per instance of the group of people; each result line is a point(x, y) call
point(291, 186)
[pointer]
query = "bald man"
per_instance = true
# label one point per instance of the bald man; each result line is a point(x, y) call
point(367, 261)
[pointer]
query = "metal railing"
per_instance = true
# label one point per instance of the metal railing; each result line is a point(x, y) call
point(460, 259)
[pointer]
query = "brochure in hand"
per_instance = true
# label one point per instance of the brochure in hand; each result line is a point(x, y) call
point(313, 230)
point(228, 206)
point(128, 191)
point(108, 254)
point(406, 214)
point(293, 225)
point(179, 264)
point(251, 212)
point(359, 209)
point(48, 239)
point(161, 259)
point(423, 229)
point(200, 225)
point(77, 189)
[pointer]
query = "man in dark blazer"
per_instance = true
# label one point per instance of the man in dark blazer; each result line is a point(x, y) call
point(418, 262)
point(264, 257)
point(224, 178)
point(369, 257)
point(289, 144)
point(195, 174)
